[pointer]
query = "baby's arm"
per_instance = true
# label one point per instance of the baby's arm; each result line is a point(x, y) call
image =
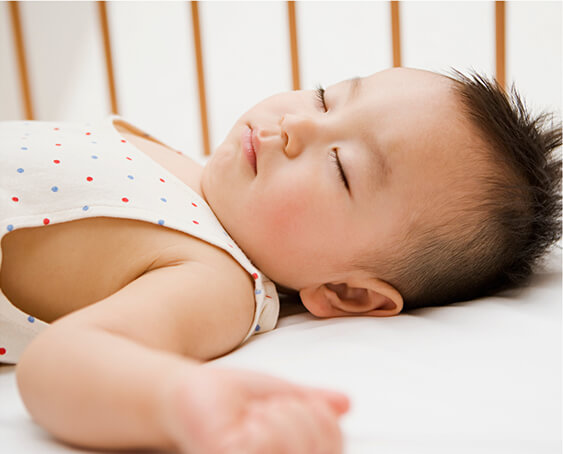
point(124, 373)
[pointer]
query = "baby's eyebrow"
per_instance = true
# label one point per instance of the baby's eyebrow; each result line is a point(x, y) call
point(354, 87)
point(378, 167)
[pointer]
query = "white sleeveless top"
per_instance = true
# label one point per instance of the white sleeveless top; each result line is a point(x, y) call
point(52, 172)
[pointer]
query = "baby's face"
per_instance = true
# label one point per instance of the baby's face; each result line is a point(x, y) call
point(399, 138)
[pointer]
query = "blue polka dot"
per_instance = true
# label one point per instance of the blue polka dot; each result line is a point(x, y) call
point(163, 199)
point(20, 170)
point(30, 319)
point(94, 156)
point(54, 189)
point(131, 177)
point(85, 208)
point(161, 221)
point(94, 142)
point(257, 292)
point(10, 227)
point(24, 148)
point(257, 328)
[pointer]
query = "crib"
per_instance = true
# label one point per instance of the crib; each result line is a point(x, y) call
point(481, 376)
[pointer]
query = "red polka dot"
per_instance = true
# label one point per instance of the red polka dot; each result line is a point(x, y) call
point(56, 129)
point(268, 296)
point(46, 221)
point(230, 245)
point(162, 180)
point(128, 158)
point(2, 351)
point(194, 204)
point(195, 222)
point(57, 144)
point(123, 140)
point(89, 178)
point(88, 133)
point(125, 199)
point(15, 199)
point(56, 161)
point(255, 276)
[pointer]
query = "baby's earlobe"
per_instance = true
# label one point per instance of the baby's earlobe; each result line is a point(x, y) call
point(318, 300)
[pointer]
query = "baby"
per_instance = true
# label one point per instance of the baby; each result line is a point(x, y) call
point(371, 197)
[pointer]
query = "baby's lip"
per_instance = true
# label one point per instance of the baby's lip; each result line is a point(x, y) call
point(248, 147)
point(255, 141)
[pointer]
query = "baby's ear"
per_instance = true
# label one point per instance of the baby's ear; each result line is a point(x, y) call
point(370, 297)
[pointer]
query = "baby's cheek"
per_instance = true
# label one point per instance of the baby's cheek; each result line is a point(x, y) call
point(285, 215)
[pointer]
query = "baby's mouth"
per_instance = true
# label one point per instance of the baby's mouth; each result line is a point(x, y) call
point(248, 148)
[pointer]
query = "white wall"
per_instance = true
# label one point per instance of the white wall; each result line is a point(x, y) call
point(246, 53)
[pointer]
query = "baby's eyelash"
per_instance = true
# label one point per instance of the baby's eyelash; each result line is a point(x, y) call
point(334, 157)
point(320, 96)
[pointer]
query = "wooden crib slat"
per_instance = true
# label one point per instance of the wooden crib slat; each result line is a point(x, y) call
point(107, 50)
point(200, 79)
point(395, 33)
point(500, 43)
point(20, 55)
point(292, 22)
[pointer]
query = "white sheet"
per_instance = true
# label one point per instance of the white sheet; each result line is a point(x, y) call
point(479, 377)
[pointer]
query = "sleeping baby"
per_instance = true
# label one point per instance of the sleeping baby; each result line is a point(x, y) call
point(126, 265)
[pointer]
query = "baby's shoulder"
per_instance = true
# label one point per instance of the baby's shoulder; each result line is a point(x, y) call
point(103, 255)
point(183, 285)
point(174, 247)
point(192, 285)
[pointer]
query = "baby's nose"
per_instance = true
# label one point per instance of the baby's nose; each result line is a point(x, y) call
point(299, 130)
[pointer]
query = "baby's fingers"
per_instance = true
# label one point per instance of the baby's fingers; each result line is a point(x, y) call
point(264, 386)
point(293, 426)
point(331, 434)
point(338, 402)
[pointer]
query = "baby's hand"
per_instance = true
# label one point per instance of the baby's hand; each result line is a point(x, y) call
point(228, 411)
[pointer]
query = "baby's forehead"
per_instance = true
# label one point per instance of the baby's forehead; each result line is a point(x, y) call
point(414, 94)
point(401, 75)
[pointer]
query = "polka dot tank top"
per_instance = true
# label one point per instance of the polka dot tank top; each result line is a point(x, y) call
point(53, 172)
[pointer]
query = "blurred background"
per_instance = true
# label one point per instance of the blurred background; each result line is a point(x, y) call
point(247, 57)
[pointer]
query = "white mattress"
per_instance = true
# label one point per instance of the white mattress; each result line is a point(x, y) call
point(478, 377)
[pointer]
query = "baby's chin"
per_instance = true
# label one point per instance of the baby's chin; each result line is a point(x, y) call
point(212, 171)
point(205, 182)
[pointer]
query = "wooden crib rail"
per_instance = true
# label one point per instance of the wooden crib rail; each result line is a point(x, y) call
point(107, 52)
point(292, 23)
point(500, 45)
point(292, 17)
point(395, 33)
point(21, 59)
point(200, 79)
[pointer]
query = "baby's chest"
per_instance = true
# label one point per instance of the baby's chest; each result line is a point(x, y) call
point(49, 271)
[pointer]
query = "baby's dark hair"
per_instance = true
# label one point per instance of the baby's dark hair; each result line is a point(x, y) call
point(499, 240)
